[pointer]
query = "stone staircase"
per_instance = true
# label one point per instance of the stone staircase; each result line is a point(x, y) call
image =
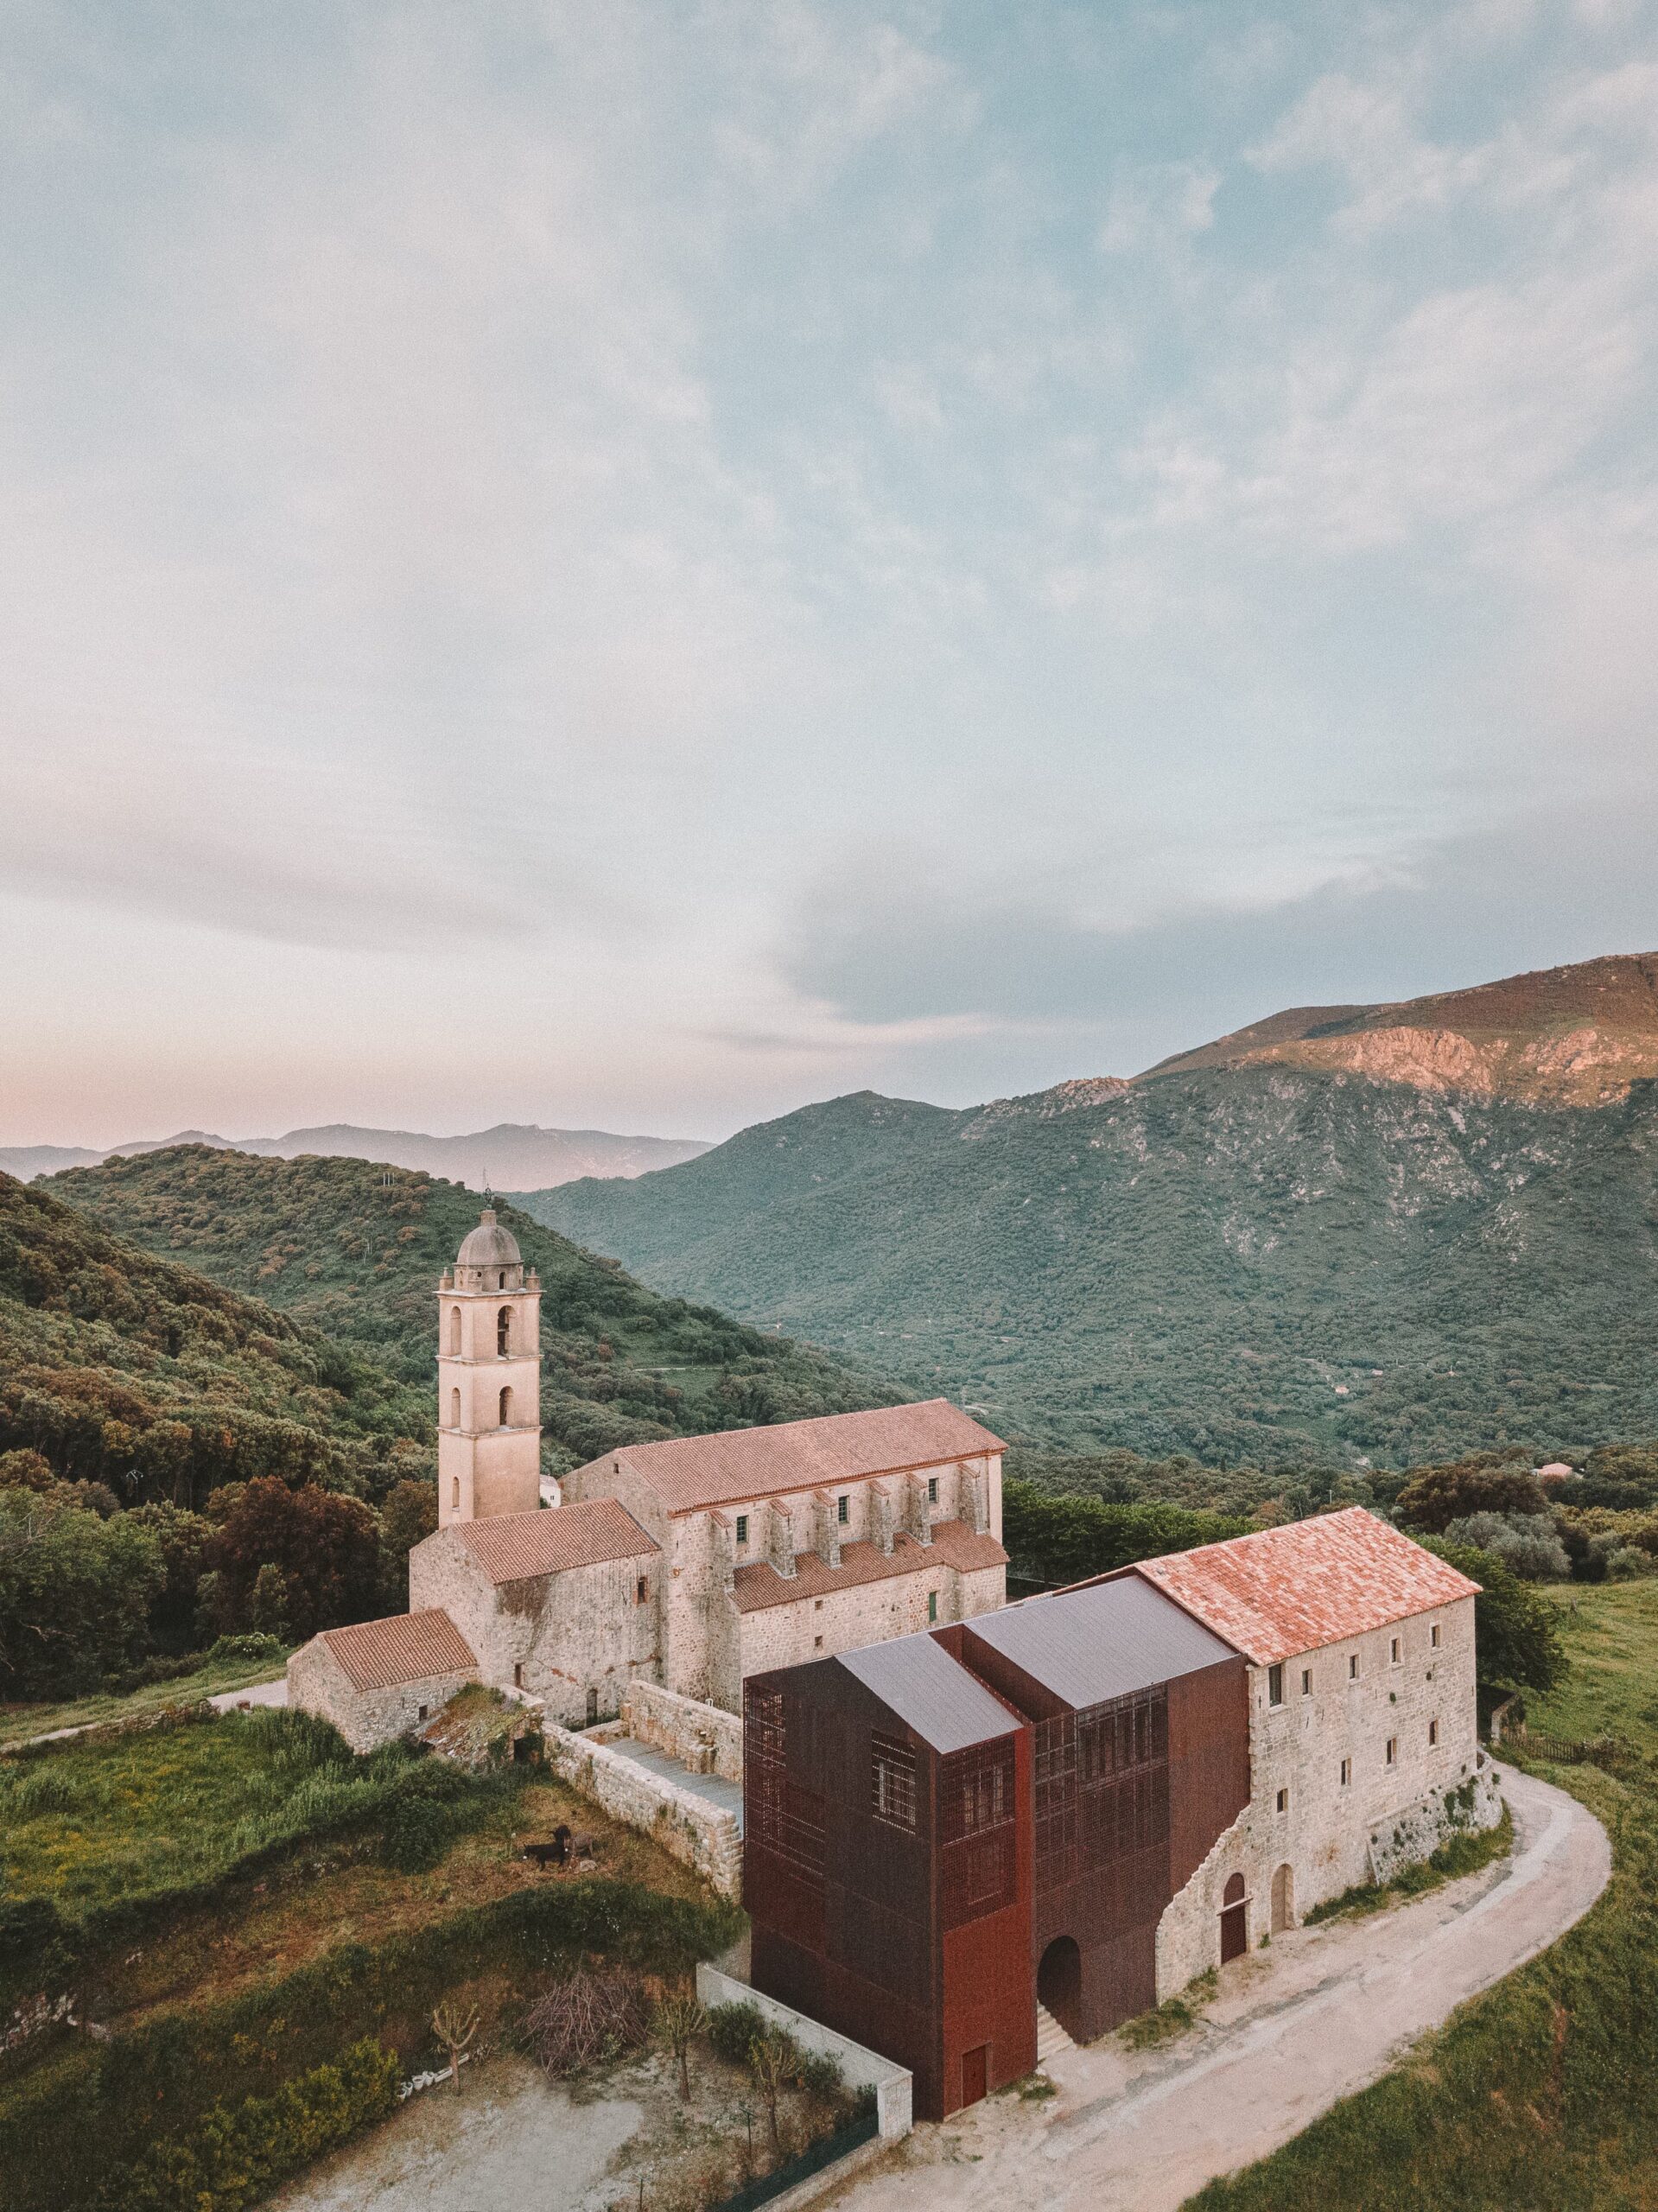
point(1050, 2038)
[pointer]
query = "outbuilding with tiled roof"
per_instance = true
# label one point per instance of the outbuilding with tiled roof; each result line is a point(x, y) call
point(376, 1680)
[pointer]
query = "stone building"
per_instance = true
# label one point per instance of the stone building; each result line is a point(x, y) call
point(687, 1563)
point(381, 1679)
point(1080, 1802)
point(789, 1542)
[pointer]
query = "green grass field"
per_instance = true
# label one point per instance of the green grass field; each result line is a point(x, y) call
point(1542, 2096)
point(19, 1723)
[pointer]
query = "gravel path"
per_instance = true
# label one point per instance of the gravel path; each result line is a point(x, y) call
point(1319, 2015)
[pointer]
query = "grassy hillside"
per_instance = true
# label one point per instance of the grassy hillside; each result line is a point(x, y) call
point(353, 1251)
point(1264, 1264)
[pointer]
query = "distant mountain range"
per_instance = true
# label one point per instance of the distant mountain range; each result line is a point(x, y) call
point(511, 1155)
point(1348, 1235)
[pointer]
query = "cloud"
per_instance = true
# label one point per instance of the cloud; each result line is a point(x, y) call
point(1533, 892)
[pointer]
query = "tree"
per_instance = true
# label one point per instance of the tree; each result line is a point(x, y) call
point(75, 1595)
point(326, 1547)
point(1486, 1483)
point(679, 2020)
point(408, 1514)
point(1515, 1626)
point(183, 1537)
point(454, 2030)
point(1068, 1539)
point(268, 1604)
point(772, 2064)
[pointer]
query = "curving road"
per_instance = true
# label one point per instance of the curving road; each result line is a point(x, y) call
point(1319, 2015)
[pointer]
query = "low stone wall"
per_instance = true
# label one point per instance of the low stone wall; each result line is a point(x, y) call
point(700, 1835)
point(1419, 1830)
point(860, 2068)
point(704, 1738)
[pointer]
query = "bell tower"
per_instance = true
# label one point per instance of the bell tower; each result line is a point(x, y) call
point(488, 1380)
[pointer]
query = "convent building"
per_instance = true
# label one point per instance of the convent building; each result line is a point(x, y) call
point(689, 1562)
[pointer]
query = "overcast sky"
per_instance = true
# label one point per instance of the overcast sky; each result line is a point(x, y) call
point(638, 565)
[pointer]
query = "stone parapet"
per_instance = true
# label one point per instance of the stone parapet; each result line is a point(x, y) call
point(700, 1835)
point(703, 1738)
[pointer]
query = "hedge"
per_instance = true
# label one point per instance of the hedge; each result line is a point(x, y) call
point(240, 2152)
point(68, 2117)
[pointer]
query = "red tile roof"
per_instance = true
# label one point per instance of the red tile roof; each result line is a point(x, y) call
point(691, 1472)
point(521, 1546)
point(954, 1544)
point(407, 1648)
point(1289, 1590)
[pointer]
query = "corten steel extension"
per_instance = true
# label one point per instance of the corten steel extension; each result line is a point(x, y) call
point(941, 1827)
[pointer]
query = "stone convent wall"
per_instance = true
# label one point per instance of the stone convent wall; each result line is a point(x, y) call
point(700, 1835)
point(366, 1718)
point(1306, 1833)
point(701, 1737)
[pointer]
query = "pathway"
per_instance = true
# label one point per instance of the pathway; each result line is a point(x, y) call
point(256, 1693)
point(1320, 2015)
point(728, 1795)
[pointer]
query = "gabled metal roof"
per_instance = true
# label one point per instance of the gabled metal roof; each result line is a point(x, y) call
point(1105, 1642)
point(924, 1686)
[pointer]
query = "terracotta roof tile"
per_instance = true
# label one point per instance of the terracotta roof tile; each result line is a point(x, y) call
point(521, 1546)
point(1289, 1590)
point(691, 1472)
point(954, 1544)
point(407, 1648)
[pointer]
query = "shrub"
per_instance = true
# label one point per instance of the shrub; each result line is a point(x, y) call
point(416, 1833)
point(734, 2030)
point(239, 2152)
point(1528, 1544)
point(591, 2015)
point(1628, 1564)
point(1067, 1539)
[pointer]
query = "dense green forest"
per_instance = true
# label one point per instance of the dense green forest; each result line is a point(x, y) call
point(354, 1250)
point(183, 1464)
point(1268, 1266)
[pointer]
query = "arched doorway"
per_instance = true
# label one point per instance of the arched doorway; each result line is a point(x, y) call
point(1234, 1920)
point(1059, 1985)
point(1283, 1899)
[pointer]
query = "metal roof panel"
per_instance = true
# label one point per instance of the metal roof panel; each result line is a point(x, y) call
point(1104, 1642)
point(930, 1693)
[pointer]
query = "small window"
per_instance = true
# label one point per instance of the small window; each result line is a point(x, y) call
point(641, 1591)
point(1353, 1667)
point(1347, 1772)
point(1433, 1732)
point(932, 1604)
point(742, 1528)
point(1433, 1635)
point(817, 1643)
point(1306, 1682)
point(422, 1714)
point(506, 1407)
point(454, 1493)
point(1393, 1652)
point(1392, 1750)
point(932, 1489)
point(892, 1782)
point(1274, 1685)
point(844, 1509)
point(517, 1677)
point(1283, 1801)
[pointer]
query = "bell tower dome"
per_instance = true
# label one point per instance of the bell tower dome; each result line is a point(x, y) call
point(488, 1380)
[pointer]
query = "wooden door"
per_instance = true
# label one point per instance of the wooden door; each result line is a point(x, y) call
point(1234, 1920)
point(975, 2073)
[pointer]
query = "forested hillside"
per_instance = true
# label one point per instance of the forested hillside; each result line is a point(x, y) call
point(1257, 1263)
point(354, 1251)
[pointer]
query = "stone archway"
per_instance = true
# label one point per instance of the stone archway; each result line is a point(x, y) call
point(1283, 1899)
point(1059, 1985)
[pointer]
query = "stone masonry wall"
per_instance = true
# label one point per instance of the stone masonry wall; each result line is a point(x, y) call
point(869, 1613)
point(366, 1718)
point(701, 1737)
point(1322, 1831)
point(700, 1835)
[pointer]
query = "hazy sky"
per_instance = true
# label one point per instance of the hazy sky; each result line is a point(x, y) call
point(638, 565)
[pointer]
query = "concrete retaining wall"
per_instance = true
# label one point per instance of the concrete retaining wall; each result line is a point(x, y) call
point(860, 2068)
point(700, 1835)
point(702, 1737)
